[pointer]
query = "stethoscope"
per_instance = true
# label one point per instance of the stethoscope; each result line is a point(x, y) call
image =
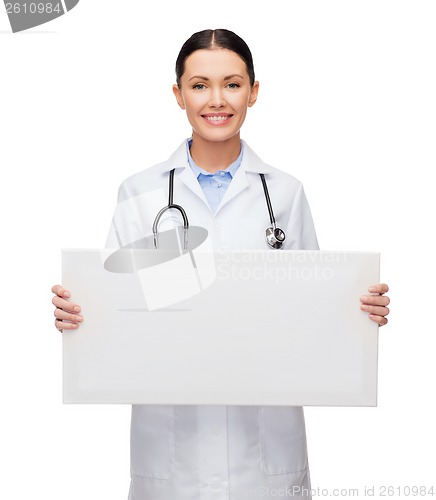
point(274, 236)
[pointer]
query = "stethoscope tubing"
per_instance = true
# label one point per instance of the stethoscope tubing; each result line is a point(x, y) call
point(274, 235)
point(169, 206)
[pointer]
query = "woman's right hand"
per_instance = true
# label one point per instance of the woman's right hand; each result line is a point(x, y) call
point(66, 312)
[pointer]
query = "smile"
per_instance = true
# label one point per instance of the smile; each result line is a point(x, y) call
point(217, 119)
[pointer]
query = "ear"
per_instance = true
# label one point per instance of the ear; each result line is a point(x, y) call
point(253, 94)
point(179, 98)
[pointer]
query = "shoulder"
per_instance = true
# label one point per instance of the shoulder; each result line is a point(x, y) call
point(141, 182)
point(152, 177)
point(253, 163)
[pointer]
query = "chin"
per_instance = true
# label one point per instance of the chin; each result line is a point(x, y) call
point(217, 136)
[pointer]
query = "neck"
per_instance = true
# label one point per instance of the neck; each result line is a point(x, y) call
point(215, 155)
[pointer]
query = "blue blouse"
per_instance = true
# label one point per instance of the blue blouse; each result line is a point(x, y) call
point(214, 185)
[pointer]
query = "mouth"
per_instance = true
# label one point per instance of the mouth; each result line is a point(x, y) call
point(215, 119)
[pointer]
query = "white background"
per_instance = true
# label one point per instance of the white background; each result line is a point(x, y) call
point(347, 105)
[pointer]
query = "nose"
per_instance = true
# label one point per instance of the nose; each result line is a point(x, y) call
point(216, 99)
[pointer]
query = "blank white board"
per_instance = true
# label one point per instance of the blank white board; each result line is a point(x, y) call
point(237, 328)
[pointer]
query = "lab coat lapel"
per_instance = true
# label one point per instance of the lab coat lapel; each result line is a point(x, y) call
point(188, 178)
point(179, 161)
point(250, 164)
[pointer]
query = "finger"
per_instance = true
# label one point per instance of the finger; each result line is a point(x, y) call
point(60, 291)
point(65, 304)
point(379, 288)
point(64, 315)
point(376, 310)
point(376, 300)
point(378, 319)
point(65, 325)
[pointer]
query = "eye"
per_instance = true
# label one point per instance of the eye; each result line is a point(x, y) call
point(199, 86)
point(233, 85)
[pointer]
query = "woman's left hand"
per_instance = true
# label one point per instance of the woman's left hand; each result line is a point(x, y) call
point(376, 305)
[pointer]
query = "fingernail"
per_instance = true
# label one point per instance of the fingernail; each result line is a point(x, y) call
point(79, 318)
point(364, 307)
point(364, 298)
point(67, 294)
point(372, 288)
point(77, 309)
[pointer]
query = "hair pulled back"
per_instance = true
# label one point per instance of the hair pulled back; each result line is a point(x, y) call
point(215, 39)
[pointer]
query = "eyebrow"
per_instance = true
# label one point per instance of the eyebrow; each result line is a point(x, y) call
point(229, 77)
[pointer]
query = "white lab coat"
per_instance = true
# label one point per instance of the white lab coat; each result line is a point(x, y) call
point(211, 452)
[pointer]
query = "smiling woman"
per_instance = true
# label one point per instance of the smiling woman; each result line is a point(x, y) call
point(215, 85)
point(187, 452)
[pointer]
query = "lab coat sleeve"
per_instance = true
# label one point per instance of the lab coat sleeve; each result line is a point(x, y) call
point(301, 229)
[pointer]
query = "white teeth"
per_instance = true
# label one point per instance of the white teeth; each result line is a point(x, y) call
point(217, 118)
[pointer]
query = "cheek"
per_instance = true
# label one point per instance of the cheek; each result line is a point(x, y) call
point(239, 102)
point(194, 103)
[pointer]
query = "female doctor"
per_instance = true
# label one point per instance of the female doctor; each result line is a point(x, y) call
point(207, 452)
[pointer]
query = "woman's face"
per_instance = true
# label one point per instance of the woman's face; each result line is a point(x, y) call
point(215, 91)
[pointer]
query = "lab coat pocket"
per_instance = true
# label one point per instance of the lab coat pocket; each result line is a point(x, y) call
point(282, 439)
point(152, 447)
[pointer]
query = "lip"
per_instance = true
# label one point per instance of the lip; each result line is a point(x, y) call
point(217, 119)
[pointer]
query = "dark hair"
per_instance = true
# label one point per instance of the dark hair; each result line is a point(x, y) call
point(215, 39)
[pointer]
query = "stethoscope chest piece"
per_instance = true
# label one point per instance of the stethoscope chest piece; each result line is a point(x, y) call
point(275, 237)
